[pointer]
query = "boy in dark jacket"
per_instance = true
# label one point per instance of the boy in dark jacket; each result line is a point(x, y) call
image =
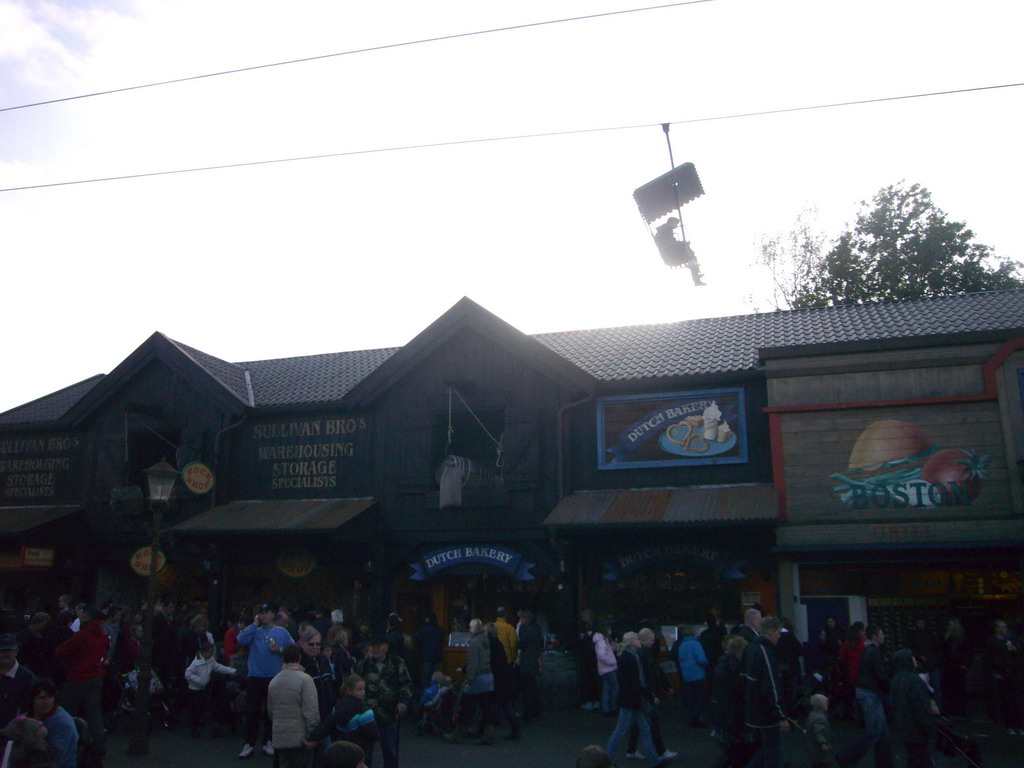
point(351, 720)
point(914, 710)
point(820, 732)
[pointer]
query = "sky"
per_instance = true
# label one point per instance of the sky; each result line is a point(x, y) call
point(366, 249)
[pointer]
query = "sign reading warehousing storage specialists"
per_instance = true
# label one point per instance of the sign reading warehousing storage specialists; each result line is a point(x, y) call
point(39, 468)
point(305, 458)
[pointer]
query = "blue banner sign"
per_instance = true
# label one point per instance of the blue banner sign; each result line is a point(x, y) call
point(668, 555)
point(506, 559)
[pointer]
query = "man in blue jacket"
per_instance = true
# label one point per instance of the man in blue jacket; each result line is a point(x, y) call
point(265, 642)
point(693, 666)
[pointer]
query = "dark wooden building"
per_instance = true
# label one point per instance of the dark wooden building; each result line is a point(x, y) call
point(646, 472)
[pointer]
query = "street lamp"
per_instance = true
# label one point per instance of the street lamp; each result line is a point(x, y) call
point(160, 479)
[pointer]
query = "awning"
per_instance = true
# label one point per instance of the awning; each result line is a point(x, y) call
point(301, 516)
point(718, 504)
point(20, 519)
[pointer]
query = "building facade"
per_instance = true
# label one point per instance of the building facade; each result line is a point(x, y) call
point(827, 460)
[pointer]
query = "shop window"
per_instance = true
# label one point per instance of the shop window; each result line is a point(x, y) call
point(472, 436)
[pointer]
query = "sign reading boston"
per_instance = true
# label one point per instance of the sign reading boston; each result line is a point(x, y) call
point(311, 457)
point(894, 464)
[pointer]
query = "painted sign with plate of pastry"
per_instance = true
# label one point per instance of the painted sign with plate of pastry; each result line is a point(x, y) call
point(893, 464)
point(673, 429)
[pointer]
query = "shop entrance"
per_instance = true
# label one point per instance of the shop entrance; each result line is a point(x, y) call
point(462, 593)
point(898, 595)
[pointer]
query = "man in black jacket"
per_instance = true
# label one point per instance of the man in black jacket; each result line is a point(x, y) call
point(872, 685)
point(750, 629)
point(635, 700)
point(16, 682)
point(914, 709)
point(762, 697)
point(430, 641)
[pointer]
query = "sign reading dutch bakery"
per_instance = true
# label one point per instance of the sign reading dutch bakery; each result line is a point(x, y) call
point(673, 429)
point(507, 560)
point(315, 457)
point(660, 555)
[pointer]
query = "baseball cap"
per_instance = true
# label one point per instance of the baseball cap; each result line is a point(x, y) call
point(268, 607)
point(8, 642)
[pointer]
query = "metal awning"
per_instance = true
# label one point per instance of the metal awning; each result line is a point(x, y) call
point(717, 504)
point(21, 519)
point(298, 516)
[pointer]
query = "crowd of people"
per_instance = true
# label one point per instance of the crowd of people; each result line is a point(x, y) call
point(747, 686)
point(322, 692)
point(293, 689)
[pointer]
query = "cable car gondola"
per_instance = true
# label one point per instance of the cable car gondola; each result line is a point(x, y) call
point(667, 194)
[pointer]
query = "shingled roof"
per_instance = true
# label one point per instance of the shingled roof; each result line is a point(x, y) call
point(312, 379)
point(722, 345)
point(705, 347)
point(49, 408)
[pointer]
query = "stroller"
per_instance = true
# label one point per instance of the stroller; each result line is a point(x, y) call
point(441, 715)
point(159, 712)
point(952, 743)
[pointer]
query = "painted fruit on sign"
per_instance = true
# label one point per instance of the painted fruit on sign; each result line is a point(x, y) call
point(955, 465)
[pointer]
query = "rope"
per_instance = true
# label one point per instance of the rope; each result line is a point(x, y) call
point(451, 429)
point(500, 461)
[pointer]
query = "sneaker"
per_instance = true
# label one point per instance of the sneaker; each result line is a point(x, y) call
point(246, 752)
point(268, 749)
point(635, 755)
point(668, 754)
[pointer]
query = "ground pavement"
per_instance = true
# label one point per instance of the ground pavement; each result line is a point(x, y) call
point(551, 742)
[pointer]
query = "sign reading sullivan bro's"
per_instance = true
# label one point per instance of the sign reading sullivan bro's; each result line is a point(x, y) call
point(310, 457)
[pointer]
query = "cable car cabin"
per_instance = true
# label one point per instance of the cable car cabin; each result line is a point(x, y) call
point(666, 194)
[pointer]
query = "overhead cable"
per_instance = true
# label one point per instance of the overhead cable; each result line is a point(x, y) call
point(385, 47)
point(460, 142)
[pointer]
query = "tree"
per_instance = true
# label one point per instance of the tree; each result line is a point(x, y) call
point(791, 258)
point(904, 247)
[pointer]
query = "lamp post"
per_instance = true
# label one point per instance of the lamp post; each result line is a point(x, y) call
point(160, 479)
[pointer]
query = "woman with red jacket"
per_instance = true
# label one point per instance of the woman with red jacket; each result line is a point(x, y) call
point(85, 654)
point(850, 653)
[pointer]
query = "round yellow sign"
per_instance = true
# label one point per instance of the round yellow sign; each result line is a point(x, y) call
point(142, 560)
point(296, 562)
point(198, 477)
